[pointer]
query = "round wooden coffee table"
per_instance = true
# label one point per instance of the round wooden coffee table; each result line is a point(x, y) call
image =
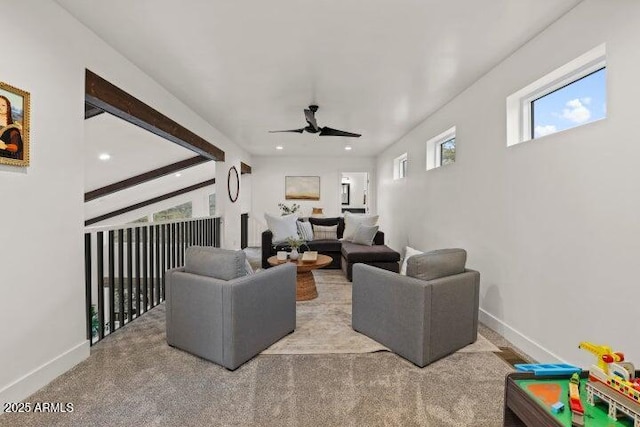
point(305, 283)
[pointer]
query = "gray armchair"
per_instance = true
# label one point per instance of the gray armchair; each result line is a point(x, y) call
point(426, 315)
point(215, 311)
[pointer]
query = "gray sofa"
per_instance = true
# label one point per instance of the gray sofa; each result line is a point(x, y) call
point(423, 316)
point(215, 311)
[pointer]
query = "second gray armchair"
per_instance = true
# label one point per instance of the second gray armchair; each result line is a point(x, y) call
point(215, 311)
point(423, 316)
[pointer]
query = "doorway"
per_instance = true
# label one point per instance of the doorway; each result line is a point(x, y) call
point(354, 192)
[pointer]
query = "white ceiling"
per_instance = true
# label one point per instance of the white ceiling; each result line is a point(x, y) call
point(133, 151)
point(378, 67)
point(150, 189)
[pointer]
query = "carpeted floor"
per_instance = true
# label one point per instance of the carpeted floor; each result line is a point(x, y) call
point(323, 324)
point(134, 378)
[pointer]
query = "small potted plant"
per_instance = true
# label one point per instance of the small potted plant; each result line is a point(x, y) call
point(295, 244)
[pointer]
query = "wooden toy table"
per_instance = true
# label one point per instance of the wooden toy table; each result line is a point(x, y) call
point(523, 408)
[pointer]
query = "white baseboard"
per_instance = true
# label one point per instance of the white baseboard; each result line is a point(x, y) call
point(33, 381)
point(524, 343)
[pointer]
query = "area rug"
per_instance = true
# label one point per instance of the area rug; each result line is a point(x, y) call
point(323, 325)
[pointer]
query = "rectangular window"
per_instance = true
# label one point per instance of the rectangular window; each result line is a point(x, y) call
point(400, 167)
point(448, 152)
point(182, 211)
point(577, 103)
point(572, 95)
point(212, 204)
point(441, 149)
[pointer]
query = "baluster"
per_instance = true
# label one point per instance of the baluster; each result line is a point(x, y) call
point(137, 233)
point(100, 277)
point(146, 264)
point(112, 284)
point(87, 283)
point(121, 277)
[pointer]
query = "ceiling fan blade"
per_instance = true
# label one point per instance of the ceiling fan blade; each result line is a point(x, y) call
point(326, 131)
point(290, 130)
point(311, 119)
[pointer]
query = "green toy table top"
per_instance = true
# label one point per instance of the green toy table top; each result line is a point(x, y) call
point(548, 391)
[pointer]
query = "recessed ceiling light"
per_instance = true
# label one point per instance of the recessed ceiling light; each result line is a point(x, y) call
point(178, 175)
point(279, 147)
point(104, 156)
point(348, 147)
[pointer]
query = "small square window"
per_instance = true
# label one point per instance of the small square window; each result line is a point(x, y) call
point(441, 150)
point(400, 167)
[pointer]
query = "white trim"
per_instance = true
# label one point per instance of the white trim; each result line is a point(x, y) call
point(519, 103)
point(396, 166)
point(524, 343)
point(433, 147)
point(36, 379)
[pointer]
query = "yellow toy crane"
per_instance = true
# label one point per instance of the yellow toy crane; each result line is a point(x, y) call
point(604, 354)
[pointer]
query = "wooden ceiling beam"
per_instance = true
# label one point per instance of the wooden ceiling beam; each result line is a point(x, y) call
point(149, 202)
point(244, 168)
point(91, 111)
point(105, 96)
point(144, 177)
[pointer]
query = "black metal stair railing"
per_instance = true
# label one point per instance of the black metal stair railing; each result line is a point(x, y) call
point(244, 230)
point(135, 259)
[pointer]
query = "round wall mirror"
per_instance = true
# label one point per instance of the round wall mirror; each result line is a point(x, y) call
point(233, 184)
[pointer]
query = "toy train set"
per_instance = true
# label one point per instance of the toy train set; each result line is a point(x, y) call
point(613, 381)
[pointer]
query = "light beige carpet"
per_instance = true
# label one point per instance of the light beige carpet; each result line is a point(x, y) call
point(323, 325)
point(134, 378)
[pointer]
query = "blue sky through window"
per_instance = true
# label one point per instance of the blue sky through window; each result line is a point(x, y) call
point(580, 102)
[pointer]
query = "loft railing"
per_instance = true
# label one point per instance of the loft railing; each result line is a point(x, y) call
point(244, 230)
point(125, 267)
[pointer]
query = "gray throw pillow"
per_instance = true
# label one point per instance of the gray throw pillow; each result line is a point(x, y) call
point(305, 230)
point(218, 263)
point(365, 234)
point(353, 221)
point(436, 264)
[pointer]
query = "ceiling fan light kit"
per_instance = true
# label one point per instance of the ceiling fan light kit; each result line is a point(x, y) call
point(312, 126)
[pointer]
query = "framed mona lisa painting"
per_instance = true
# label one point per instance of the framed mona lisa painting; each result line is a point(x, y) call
point(14, 126)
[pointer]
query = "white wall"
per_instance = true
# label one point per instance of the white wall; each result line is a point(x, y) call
point(268, 175)
point(551, 224)
point(231, 211)
point(42, 320)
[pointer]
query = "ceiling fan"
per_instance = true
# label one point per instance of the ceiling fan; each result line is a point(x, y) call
point(310, 117)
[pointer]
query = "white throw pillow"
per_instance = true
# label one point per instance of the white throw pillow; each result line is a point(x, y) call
point(325, 232)
point(408, 253)
point(352, 222)
point(247, 267)
point(282, 227)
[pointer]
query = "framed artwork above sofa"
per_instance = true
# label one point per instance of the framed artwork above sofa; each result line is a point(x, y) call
point(302, 187)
